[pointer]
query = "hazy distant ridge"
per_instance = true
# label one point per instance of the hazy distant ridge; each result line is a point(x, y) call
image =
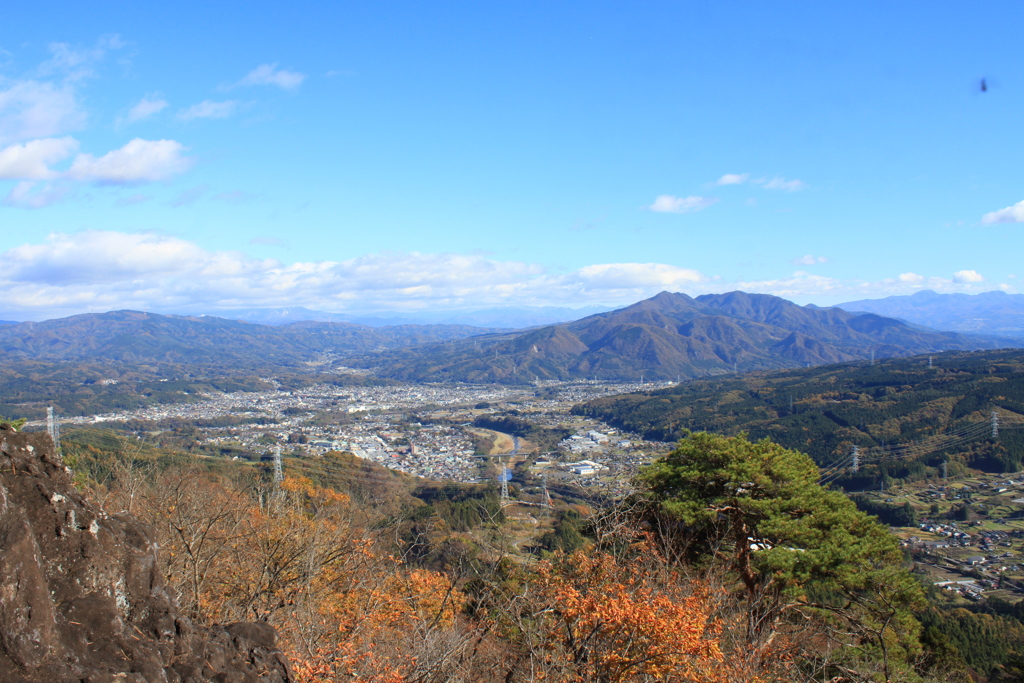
point(995, 313)
point(142, 338)
point(506, 317)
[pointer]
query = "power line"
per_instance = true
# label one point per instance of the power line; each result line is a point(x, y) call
point(912, 450)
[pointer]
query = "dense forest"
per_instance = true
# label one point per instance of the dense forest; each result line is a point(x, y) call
point(825, 411)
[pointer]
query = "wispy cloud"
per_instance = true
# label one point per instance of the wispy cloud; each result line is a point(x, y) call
point(1011, 214)
point(30, 195)
point(208, 109)
point(235, 196)
point(776, 183)
point(667, 203)
point(809, 260)
point(269, 74)
point(36, 109)
point(733, 179)
point(74, 63)
point(783, 184)
point(146, 107)
point(189, 196)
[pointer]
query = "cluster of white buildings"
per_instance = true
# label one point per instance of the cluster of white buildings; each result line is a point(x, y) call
point(373, 423)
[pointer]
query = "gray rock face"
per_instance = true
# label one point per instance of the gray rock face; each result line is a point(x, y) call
point(82, 597)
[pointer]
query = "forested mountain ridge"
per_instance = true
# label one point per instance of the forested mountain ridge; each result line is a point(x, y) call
point(826, 410)
point(142, 338)
point(672, 336)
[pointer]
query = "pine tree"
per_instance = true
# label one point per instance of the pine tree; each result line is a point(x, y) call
point(792, 545)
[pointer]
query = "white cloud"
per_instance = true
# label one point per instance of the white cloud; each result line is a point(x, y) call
point(783, 184)
point(44, 103)
point(32, 160)
point(76, 63)
point(162, 272)
point(967, 276)
point(809, 260)
point(138, 161)
point(114, 257)
point(636, 275)
point(666, 203)
point(146, 107)
point(1011, 214)
point(269, 74)
point(209, 109)
point(24, 195)
point(733, 179)
point(33, 109)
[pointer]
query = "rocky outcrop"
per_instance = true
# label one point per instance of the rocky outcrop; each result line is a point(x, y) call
point(82, 597)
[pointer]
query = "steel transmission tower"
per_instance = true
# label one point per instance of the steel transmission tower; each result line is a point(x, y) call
point(547, 495)
point(995, 425)
point(53, 428)
point(504, 481)
point(856, 459)
point(278, 472)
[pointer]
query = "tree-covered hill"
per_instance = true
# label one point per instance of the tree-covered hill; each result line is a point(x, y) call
point(826, 410)
point(672, 336)
point(136, 337)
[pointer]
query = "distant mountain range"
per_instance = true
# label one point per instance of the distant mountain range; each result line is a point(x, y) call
point(672, 336)
point(502, 317)
point(991, 313)
point(148, 338)
point(666, 337)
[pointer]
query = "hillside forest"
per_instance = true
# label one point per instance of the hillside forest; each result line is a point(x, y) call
point(730, 564)
point(905, 415)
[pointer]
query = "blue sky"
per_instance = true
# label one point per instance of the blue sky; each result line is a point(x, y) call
point(425, 156)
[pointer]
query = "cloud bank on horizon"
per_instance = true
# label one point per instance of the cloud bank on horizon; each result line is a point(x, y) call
point(72, 273)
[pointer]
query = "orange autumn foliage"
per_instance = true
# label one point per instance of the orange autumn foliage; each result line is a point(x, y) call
point(608, 622)
point(318, 568)
point(407, 606)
